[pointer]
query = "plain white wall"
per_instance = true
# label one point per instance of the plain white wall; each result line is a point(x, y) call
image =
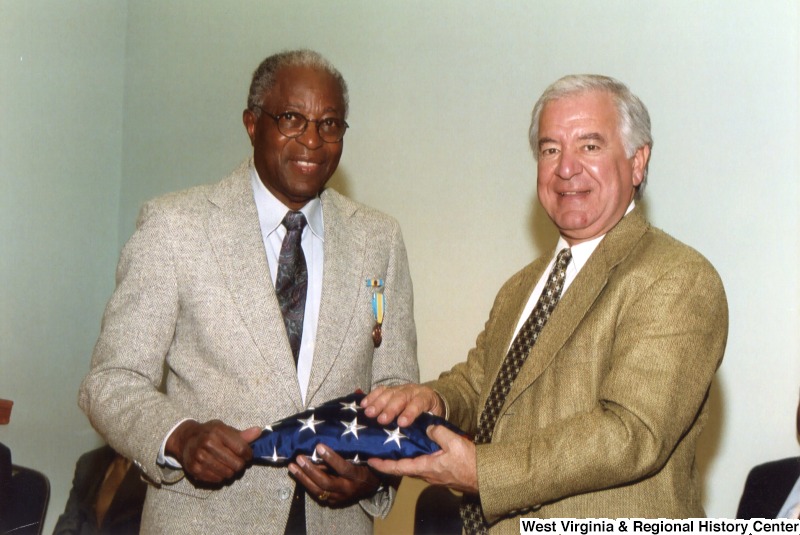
point(61, 93)
point(440, 101)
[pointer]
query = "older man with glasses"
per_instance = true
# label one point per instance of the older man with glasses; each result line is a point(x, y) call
point(222, 297)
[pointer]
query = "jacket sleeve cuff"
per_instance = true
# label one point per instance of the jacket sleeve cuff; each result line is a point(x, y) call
point(380, 503)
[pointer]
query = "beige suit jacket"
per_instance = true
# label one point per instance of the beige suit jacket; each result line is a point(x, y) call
point(604, 417)
point(195, 314)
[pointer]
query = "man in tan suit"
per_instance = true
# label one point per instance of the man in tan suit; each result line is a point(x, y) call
point(196, 309)
point(604, 415)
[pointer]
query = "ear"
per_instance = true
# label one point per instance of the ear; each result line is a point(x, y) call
point(249, 119)
point(640, 159)
point(798, 419)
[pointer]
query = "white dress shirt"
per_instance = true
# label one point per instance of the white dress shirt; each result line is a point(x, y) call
point(270, 215)
point(580, 255)
point(791, 507)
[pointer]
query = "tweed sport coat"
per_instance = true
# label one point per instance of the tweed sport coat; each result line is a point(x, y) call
point(604, 416)
point(195, 310)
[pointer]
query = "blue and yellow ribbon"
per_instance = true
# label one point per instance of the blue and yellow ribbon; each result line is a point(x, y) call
point(377, 306)
point(378, 301)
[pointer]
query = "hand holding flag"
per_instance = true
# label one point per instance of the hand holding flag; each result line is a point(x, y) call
point(342, 425)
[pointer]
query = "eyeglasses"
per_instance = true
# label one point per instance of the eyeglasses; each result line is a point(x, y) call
point(293, 124)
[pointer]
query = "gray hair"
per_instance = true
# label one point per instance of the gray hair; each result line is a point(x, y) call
point(634, 120)
point(264, 76)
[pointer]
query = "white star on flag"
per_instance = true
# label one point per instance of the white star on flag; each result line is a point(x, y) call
point(394, 436)
point(309, 423)
point(352, 406)
point(352, 427)
point(275, 457)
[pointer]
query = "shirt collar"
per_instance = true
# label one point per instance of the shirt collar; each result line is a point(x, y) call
point(582, 251)
point(271, 211)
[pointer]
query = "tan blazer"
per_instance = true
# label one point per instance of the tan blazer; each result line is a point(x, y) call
point(195, 310)
point(604, 417)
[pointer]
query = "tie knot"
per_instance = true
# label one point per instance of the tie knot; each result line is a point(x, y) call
point(564, 257)
point(294, 221)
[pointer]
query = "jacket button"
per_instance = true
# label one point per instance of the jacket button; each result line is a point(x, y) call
point(140, 467)
point(285, 493)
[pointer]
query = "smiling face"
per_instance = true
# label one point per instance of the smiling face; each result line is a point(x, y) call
point(296, 169)
point(585, 181)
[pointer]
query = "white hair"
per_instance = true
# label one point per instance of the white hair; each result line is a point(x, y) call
point(265, 75)
point(634, 120)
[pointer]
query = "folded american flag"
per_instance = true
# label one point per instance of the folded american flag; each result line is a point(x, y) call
point(341, 425)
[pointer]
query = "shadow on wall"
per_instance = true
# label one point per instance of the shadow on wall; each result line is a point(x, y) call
point(340, 182)
point(540, 228)
point(710, 440)
point(545, 235)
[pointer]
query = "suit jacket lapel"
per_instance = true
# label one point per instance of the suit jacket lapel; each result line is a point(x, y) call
point(235, 235)
point(345, 246)
point(579, 297)
point(510, 315)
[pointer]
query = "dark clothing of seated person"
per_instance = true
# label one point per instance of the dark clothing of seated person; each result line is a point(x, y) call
point(772, 490)
point(107, 496)
point(5, 484)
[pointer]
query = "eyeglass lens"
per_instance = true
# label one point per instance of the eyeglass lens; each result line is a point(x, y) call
point(331, 130)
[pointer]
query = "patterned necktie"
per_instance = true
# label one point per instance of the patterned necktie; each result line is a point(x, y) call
point(471, 512)
point(291, 284)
